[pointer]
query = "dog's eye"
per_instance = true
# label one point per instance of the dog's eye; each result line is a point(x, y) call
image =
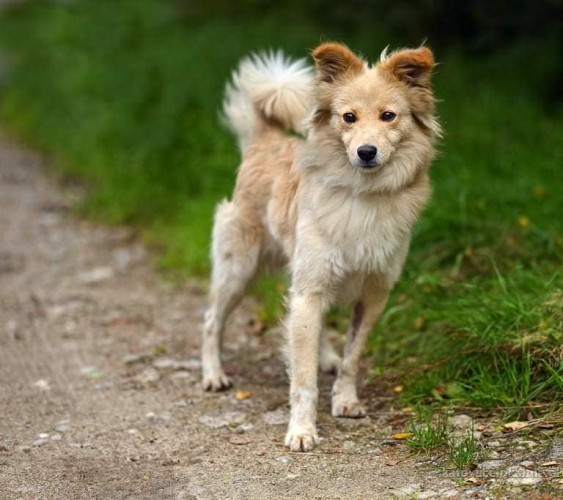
point(387, 116)
point(349, 117)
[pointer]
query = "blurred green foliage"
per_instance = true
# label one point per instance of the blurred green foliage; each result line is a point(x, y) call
point(127, 97)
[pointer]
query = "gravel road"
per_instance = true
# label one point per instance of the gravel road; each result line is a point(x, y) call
point(99, 378)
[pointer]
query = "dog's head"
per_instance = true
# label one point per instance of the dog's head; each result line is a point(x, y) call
point(373, 110)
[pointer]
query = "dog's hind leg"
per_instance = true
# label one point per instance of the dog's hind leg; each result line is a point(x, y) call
point(329, 360)
point(235, 253)
point(345, 402)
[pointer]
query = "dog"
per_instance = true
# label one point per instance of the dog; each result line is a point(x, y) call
point(336, 207)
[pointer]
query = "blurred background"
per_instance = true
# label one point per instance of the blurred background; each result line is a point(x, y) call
point(126, 96)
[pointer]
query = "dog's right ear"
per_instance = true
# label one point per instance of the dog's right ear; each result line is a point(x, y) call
point(333, 60)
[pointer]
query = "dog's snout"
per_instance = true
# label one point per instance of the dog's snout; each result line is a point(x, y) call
point(367, 152)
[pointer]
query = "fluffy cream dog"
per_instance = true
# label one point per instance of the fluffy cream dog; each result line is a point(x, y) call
point(336, 208)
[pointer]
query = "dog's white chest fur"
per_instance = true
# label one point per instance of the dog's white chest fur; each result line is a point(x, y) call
point(356, 232)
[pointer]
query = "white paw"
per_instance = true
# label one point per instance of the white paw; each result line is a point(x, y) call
point(301, 440)
point(348, 408)
point(217, 381)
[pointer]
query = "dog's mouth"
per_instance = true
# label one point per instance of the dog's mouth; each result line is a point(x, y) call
point(369, 166)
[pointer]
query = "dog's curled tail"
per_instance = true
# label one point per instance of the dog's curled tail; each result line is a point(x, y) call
point(267, 89)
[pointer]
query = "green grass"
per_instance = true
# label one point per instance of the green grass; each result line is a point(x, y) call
point(463, 453)
point(429, 432)
point(128, 99)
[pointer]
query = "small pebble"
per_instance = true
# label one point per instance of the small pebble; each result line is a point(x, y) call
point(348, 424)
point(96, 275)
point(159, 419)
point(56, 437)
point(449, 493)
point(62, 426)
point(148, 376)
point(461, 422)
point(165, 364)
point(240, 440)
point(42, 384)
point(529, 444)
point(374, 451)
point(242, 428)
point(223, 419)
point(490, 464)
point(519, 476)
point(409, 490)
point(92, 372)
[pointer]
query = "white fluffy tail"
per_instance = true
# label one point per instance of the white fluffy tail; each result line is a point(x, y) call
point(266, 89)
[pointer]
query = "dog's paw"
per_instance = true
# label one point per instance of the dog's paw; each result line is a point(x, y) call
point(348, 409)
point(301, 440)
point(216, 382)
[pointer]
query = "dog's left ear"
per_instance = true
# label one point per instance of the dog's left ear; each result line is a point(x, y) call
point(334, 60)
point(411, 66)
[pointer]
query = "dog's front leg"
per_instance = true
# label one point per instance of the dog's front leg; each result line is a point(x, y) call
point(304, 329)
point(345, 402)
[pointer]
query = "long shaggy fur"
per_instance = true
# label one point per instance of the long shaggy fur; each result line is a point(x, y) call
point(337, 208)
point(267, 86)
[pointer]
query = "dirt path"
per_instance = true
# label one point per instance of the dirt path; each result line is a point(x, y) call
point(99, 379)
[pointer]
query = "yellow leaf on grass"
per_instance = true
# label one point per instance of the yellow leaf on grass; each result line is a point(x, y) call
point(419, 323)
point(398, 388)
point(402, 435)
point(242, 395)
point(523, 221)
point(515, 426)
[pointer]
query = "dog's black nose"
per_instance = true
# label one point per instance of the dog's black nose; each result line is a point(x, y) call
point(367, 152)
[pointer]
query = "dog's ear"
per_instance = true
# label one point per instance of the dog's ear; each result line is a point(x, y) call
point(334, 60)
point(411, 66)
